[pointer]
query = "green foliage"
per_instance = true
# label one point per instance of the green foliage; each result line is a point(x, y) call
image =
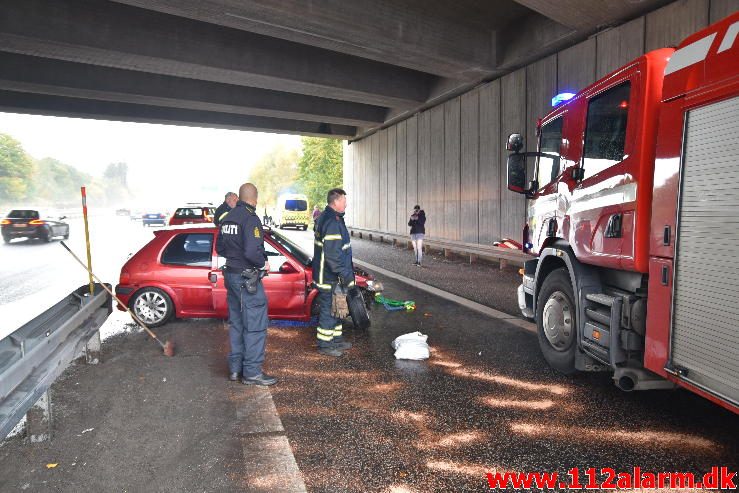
point(57, 182)
point(275, 173)
point(49, 181)
point(16, 170)
point(320, 168)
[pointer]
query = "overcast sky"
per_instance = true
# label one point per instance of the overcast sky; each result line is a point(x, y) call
point(181, 161)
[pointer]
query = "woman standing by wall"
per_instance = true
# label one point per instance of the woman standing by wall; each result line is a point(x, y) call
point(417, 223)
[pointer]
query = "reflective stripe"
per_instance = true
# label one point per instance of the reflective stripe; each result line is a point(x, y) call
point(320, 274)
point(331, 237)
point(337, 331)
point(319, 243)
point(351, 284)
point(347, 246)
point(324, 338)
point(220, 218)
point(326, 332)
point(323, 286)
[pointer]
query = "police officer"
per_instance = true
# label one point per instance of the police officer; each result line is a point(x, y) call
point(241, 241)
point(223, 209)
point(332, 264)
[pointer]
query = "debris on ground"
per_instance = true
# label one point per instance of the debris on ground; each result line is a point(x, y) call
point(395, 305)
point(411, 346)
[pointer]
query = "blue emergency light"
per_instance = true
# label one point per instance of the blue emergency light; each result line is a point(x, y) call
point(562, 97)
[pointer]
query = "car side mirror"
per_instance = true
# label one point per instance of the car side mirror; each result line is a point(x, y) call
point(287, 268)
point(213, 277)
point(517, 173)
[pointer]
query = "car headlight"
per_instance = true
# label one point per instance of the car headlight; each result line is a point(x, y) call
point(375, 286)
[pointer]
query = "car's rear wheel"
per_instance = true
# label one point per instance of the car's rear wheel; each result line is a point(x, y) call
point(153, 306)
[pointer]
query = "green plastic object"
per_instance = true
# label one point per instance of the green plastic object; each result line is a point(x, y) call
point(395, 305)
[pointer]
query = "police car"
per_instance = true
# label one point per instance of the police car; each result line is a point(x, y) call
point(178, 274)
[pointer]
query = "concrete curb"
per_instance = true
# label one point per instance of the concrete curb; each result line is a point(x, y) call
point(472, 305)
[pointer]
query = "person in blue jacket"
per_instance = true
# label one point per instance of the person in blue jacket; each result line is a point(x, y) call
point(332, 265)
point(241, 242)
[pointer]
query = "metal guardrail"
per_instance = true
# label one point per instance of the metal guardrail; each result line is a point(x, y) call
point(33, 356)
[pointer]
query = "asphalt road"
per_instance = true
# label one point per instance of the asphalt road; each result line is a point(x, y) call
point(485, 401)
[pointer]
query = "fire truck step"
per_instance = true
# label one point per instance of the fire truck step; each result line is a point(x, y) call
point(599, 315)
point(601, 299)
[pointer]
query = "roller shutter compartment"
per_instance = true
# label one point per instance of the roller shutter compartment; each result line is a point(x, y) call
point(705, 330)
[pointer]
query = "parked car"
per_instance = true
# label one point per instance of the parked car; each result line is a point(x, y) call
point(122, 212)
point(28, 223)
point(135, 215)
point(193, 214)
point(154, 219)
point(178, 274)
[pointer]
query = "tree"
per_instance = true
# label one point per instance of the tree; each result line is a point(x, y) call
point(57, 182)
point(16, 170)
point(320, 168)
point(274, 174)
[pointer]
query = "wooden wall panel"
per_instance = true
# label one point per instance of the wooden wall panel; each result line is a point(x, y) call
point(575, 67)
point(382, 203)
point(491, 187)
point(424, 163)
point(435, 212)
point(512, 119)
point(411, 175)
point(674, 22)
point(451, 192)
point(401, 192)
point(392, 178)
point(618, 46)
point(470, 152)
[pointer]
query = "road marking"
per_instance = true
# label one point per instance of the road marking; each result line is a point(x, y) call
point(269, 463)
point(472, 305)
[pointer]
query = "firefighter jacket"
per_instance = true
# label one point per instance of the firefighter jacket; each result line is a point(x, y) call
point(241, 239)
point(332, 253)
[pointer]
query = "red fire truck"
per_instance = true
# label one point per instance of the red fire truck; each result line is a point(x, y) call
point(634, 220)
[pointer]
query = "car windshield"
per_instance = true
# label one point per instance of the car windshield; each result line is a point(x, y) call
point(185, 212)
point(24, 214)
point(296, 205)
point(292, 248)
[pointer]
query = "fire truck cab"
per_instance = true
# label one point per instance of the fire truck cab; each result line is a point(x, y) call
point(633, 215)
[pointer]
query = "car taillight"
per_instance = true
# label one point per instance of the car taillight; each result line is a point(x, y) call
point(5, 221)
point(37, 222)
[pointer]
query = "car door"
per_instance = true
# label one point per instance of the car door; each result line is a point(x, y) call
point(187, 259)
point(285, 284)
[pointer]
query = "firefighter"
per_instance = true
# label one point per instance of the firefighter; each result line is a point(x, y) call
point(241, 242)
point(332, 266)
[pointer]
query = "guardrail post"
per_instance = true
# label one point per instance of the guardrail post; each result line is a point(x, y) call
point(473, 258)
point(503, 263)
point(93, 349)
point(38, 419)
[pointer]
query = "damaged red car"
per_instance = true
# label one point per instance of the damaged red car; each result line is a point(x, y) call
point(178, 274)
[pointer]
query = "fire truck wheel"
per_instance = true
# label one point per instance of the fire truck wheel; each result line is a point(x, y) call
point(556, 321)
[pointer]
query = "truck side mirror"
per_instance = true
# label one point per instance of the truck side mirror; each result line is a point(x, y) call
point(515, 143)
point(517, 173)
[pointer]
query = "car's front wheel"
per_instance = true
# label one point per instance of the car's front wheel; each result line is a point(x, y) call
point(556, 321)
point(153, 306)
point(6, 238)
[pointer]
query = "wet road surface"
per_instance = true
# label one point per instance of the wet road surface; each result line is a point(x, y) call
point(485, 401)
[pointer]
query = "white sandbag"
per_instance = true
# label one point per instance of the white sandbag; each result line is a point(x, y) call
point(411, 346)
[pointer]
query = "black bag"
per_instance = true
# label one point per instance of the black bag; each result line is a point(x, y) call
point(358, 308)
